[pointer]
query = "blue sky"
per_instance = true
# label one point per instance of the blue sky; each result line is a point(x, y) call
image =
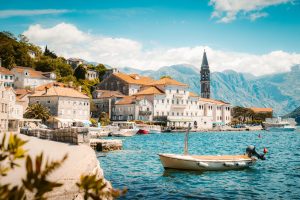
point(161, 24)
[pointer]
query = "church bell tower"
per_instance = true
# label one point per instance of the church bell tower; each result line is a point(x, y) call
point(205, 77)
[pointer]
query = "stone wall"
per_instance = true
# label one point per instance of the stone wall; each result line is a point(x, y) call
point(74, 135)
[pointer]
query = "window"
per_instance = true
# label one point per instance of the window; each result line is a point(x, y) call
point(48, 101)
point(177, 91)
point(37, 101)
point(162, 101)
point(167, 101)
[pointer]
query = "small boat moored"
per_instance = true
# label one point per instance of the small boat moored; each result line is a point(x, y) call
point(209, 162)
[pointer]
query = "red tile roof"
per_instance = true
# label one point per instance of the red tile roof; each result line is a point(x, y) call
point(59, 91)
point(167, 81)
point(261, 110)
point(5, 71)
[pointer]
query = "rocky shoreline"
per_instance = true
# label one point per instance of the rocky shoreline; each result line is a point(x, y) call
point(81, 160)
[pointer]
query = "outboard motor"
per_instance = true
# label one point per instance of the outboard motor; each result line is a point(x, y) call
point(250, 151)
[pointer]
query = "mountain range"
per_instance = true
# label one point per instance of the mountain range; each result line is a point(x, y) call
point(279, 91)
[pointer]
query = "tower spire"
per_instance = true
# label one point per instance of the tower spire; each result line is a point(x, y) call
point(205, 77)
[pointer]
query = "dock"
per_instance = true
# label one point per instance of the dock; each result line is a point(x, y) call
point(106, 145)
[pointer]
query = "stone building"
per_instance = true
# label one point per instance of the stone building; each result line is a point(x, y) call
point(132, 108)
point(75, 62)
point(104, 100)
point(3, 109)
point(124, 83)
point(91, 74)
point(66, 105)
point(26, 77)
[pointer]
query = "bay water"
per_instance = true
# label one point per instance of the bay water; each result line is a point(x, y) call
point(138, 168)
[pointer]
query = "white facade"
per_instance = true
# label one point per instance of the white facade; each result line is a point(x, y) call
point(27, 77)
point(65, 107)
point(10, 111)
point(141, 109)
point(133, 89)
point(91, 74)
point(180, 107)
point(6, 77)
point(3, 108)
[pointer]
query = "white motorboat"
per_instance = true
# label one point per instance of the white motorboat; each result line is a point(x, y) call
point(126, 129)
point(279, 124)
point(154, 129)
point(209, 162)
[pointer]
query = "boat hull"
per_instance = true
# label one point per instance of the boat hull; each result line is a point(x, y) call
point(142, 131)
point(124, 133)
point(198, 163)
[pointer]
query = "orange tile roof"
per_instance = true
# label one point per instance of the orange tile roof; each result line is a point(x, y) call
point(128, 100)
point(258, 110)
point(149, 91)
point(5, 71)
point(192, 94)
point(219, 102)
point(134, 78)
point(48, 85)
point(60, 91)
point(167, 81)
point(109, 93)
point(32, 73)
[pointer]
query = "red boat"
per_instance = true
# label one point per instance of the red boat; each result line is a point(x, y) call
point(142, 131)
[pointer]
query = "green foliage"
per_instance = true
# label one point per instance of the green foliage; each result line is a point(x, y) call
point(15, 52)
point(37, 111)
point(101, 69)
point(94, 121)
point(49, 53)
point(165, 76)
point(104, 119)
point(80, 72)
point(95, 188)
point(246, 115)
point(36, 178)
point(48, 64)
point(10, 152)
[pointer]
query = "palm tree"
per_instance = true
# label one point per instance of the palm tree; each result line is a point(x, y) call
point(37, 111)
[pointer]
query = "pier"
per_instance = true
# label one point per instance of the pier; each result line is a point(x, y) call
point(106, 145)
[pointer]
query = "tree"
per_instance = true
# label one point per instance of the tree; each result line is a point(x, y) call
point(49, 53)
point(165, 76)
point(101, 69)
point(104, 119)
point(37, 111)
point(80, 72)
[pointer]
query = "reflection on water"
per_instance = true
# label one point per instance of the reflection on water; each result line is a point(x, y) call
point(138, 167)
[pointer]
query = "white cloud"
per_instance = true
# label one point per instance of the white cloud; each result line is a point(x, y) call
point(228, 10)
point(67, 40)
point(15, 13)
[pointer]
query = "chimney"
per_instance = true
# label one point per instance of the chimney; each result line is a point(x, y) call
point(46, 90)
point(79, 88)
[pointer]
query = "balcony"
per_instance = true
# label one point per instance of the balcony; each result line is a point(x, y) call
point(178, 106)
point(179, 119)
point(179, 95)
point(145, 113)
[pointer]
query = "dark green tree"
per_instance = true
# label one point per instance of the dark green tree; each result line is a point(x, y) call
point(101, 69)
point(37, 111)
point(80, 72)
point(49, 53)
point(165, 76)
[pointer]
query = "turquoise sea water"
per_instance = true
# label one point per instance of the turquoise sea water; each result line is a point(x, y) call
point(138, 167)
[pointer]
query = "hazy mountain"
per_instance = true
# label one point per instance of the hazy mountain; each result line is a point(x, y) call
point(295, 114)
point(280, 91)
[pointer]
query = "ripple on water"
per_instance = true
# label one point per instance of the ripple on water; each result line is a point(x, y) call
point(138, 168)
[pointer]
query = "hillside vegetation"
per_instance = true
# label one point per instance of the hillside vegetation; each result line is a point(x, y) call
point(14, 51)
